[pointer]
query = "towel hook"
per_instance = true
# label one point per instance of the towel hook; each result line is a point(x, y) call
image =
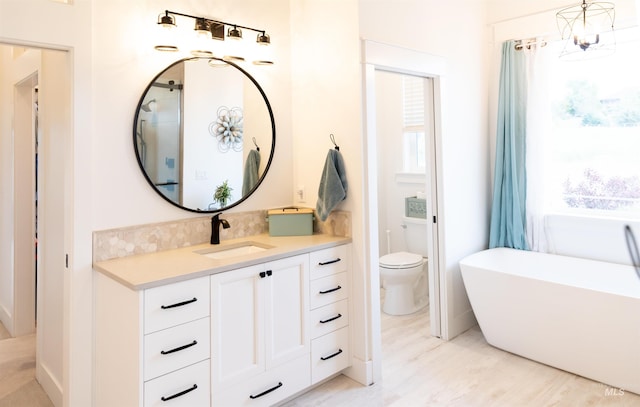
point(333, 140)
point(256, 144)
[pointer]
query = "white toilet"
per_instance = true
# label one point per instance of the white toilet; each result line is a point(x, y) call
point(404, 274)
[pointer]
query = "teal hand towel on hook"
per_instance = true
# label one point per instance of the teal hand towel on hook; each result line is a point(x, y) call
point(333, 184)
point(251, 175)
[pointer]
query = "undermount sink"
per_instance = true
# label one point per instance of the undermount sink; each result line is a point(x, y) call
point(233, 250)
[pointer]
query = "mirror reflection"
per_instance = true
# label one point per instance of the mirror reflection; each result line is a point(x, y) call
point(204, 134)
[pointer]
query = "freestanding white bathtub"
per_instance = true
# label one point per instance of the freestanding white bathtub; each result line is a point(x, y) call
point(578, 315)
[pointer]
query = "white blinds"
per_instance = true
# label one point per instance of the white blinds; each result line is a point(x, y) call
point(413, 101)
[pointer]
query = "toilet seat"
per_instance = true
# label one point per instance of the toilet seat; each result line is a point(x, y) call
point(400, 260)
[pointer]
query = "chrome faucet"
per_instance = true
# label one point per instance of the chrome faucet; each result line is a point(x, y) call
point(215, 228)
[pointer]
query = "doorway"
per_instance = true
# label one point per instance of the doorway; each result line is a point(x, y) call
point(404, 126)
point(24, 204)
point(383, 58)
point(38, 122)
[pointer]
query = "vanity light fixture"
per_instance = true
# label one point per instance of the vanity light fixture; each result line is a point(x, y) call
point(166, 20)
point(263, 39)
point(210, 29)
point(234, 33)
point(202, 28)
point(166, 43)
point(587, 29)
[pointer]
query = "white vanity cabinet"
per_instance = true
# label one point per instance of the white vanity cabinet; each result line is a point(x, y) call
point(244, 332)
point(260, 337)
point(329, 311)
point(153, 345)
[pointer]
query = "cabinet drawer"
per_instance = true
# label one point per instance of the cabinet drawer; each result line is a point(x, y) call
point(174, 348)
point(329, 354)
point(175, 304)
point(188, 387)
point(268, 388)
point(328, 261)
point(329, 318)
point(328, 289)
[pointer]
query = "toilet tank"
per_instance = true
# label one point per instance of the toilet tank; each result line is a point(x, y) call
point(415, 234)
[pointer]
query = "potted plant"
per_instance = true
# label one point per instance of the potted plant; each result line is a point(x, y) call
point(222, 194)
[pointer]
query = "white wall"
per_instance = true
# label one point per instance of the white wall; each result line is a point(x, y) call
point(124, 34)
point(43, 23)
point(457, 32)
point(13, 69)
point(54, 196)
point(200, 148)
point(389, 129)
point(326, 95)
point(108, 189)
point(6, 185)
point(326, 92)
point(393, 185)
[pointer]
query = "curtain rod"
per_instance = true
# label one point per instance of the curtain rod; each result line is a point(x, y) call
point(520, 44)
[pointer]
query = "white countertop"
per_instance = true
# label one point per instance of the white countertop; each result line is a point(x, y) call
point(154, 269)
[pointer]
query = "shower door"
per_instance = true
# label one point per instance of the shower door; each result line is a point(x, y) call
point(159, 137)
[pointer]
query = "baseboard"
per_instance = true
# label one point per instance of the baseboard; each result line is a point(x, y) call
point(7, 321)
point(49, 384)
point(460, 324)
point(361, 371)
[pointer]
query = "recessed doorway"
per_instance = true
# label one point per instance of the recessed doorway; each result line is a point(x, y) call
point(36, 100)
point(380, 61)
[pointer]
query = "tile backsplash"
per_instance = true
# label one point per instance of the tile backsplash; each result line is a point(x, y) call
point(155, 237)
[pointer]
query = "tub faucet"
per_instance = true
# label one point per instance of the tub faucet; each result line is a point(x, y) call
point(215, 228)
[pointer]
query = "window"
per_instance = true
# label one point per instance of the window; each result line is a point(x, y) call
point(594, 145)
point(414, 157)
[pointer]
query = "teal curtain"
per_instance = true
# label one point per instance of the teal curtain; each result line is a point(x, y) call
point(508, 218)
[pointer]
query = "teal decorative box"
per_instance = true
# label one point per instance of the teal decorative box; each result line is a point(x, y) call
point(415, 207)
point(290, 221)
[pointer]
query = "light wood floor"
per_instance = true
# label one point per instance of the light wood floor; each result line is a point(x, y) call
point(18, 385)
point(418, 370)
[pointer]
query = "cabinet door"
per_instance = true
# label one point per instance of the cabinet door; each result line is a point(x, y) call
point(237, 326)
point(286, 303)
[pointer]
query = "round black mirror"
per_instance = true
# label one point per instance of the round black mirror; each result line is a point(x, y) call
point(201, 133)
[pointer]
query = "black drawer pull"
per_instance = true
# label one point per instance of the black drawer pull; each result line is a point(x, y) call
point(267, 273)
point(179, 348)
point(329, 291)
point(179, 304)
point(329, 262)
point(331, 356)
point(182, 393)
point(331, 319)
point(266, 391)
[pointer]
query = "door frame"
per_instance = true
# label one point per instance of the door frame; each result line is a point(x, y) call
point(24, 212)
point(384, 57)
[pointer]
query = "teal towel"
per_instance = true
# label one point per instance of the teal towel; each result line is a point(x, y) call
point(333, 184)
point(251, 167)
